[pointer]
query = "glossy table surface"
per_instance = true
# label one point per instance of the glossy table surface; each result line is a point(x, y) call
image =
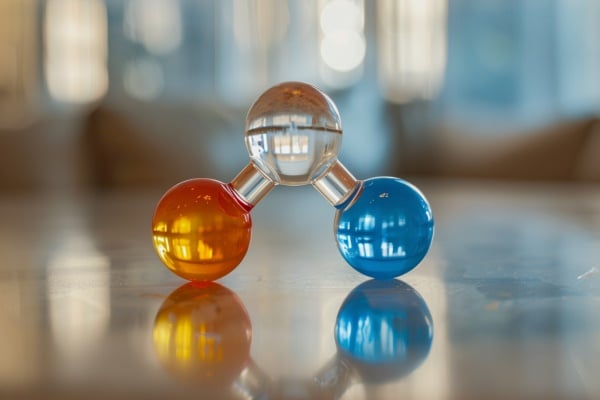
point(505, 305)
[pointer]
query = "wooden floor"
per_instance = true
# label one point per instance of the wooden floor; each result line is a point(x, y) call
point(505, 305)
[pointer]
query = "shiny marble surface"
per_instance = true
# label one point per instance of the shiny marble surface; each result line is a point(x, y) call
point(510, 296)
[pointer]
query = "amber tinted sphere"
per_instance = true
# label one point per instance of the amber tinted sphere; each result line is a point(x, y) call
point(201, 230)
point(202, 334)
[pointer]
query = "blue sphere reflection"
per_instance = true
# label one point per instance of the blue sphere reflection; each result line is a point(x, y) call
point(387, 230)
point(383, 330)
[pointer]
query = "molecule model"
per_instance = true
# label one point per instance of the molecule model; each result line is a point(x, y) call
point(383, 226)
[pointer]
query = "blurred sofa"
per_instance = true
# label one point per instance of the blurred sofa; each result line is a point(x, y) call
point(567, 151)
point(147, 149)
point(142, 145)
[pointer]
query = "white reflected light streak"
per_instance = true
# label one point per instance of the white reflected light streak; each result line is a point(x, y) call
point(342, 41)
point(249, 38)
point(366, 223)
point(365, 250)
point(372, 338)
point(411, 48)
point(76, 50)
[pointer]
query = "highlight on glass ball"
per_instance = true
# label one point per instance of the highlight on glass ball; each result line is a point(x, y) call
point(202, 228)
point(383, 330)
point(202, 334)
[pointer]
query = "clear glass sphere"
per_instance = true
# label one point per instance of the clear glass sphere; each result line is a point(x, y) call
point(293, 133)
point(386, 230)
point(384, 330)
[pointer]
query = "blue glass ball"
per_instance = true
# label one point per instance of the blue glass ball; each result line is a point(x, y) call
point(386, 230)
point(384, 330)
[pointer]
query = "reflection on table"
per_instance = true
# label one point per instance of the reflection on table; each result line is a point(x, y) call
point(202, 336)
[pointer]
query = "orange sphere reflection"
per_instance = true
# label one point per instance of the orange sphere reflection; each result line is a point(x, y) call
point(202, 334)
point(200, 230)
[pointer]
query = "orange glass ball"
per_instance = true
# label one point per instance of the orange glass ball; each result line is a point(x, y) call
point(201, 230)
point(202, 334)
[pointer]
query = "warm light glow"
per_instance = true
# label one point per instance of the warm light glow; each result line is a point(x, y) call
point(209, 348)
point(154, 23)
point(342, 41)
point(183, 335)
point(76, 50)
point(182, 247)
point(412, 48)
point(161, 335)
point(182, 225)
point(205, 251)
point(160, 227)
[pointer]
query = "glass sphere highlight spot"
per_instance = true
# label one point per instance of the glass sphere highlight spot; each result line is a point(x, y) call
point(386, 230)
point(202, 334)
point(384, 330)
point(201, 230)
point(293, 133)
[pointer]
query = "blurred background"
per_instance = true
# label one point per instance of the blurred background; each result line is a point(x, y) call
point(115, 95)
point(137, 93)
